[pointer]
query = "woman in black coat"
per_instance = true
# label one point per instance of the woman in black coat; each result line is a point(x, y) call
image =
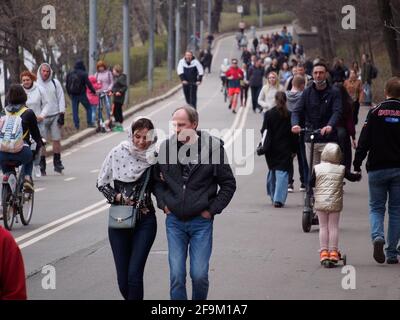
point(280, 145)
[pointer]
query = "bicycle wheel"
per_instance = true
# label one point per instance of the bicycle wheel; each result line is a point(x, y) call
point(8, 208)
point(27, 207)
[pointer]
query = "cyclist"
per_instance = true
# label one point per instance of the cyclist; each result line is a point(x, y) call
point(17, 107)
point(234, 75)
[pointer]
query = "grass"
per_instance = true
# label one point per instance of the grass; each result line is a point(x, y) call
point(138, 94)
point(230, 21)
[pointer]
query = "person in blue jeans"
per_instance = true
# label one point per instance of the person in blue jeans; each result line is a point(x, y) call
point(380, 140)
point(76, 84)
point(121, 179)
point(280, 145)
point(193, 183)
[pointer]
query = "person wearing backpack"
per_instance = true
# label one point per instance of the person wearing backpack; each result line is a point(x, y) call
point(16, 128)
point(77, 81)
point(52, 115)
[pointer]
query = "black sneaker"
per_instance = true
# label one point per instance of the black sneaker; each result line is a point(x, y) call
point(379, 254)
point(290, 188)
point(392, 260)
point(278, 204)
point(302, 188)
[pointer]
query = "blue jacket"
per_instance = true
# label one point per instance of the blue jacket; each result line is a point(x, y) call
point(318, 109)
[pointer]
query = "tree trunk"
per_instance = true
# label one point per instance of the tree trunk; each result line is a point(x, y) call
point(216, 15)
point(141, 20)
point(246, 7)
point(390, 35)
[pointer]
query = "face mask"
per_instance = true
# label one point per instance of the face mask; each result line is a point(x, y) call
point(320, 83)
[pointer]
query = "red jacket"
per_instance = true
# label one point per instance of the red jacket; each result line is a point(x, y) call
point(237, 75)
point(12, 272)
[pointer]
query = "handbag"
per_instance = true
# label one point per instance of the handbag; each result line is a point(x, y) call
point(261, 150)
point(125, 217)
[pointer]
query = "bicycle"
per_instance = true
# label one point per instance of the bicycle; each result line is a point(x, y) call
point(14, 200)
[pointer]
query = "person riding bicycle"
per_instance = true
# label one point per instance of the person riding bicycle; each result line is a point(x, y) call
point(16, 129)
point(320, 107)
point(234, 75)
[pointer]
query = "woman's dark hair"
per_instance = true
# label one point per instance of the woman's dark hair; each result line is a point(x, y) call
point(16, 94)
point(142, 123)
point(280, 98)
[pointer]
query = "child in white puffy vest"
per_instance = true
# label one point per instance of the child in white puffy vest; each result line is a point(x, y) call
point(328, 193)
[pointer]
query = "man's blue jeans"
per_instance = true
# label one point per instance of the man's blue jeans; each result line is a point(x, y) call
point(277, 185)
point(195, 235)
point(384, 184)
point(368, 93)
point(75, 109)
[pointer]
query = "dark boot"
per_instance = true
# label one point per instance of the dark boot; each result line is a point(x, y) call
point(43, 165)
point(58, 166)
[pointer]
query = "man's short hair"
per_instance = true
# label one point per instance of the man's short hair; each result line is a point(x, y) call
point(298, 81)
point(192, 113)
point(321, 64)
point(392, 88)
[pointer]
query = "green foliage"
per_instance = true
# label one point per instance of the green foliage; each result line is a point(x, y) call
point(139, 58)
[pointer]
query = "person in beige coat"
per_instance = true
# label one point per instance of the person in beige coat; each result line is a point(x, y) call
point(329, 175)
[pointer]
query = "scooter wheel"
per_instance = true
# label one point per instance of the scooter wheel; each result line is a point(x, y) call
point(306, 221)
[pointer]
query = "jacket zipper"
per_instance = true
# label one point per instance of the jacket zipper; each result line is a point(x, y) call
point(183, 199)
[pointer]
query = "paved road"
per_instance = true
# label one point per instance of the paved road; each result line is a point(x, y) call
point(259, 252)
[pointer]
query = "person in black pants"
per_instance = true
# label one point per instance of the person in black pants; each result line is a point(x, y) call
point(256, 76)
point(119, 88)
point(126, 167)
point(191, 74)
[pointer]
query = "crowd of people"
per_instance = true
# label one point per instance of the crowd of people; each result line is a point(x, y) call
point(291, 92)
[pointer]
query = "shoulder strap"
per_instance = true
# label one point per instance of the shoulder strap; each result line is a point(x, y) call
point(18, 113)
point(143, 190)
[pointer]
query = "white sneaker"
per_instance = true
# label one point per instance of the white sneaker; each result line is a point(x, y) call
point(38, 173)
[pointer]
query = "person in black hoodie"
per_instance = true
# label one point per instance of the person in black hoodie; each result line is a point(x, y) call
point(77, 81)
point(119, 89)
point(191, 72)
point(256, 78)
point(380, 140)
point(193, 183)
point(280, 146)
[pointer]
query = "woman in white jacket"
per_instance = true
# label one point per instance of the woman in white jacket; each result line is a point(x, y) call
point(36, 101)
point(266, 99)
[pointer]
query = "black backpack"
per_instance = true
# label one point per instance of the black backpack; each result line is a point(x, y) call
point(374, 72)
point(74, 83)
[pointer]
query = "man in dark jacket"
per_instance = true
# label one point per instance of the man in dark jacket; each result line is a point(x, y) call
point(320, 107)
point(193, 183)
point(191, 72)
point(256, 78)
point(77, 81)
point(380, 139)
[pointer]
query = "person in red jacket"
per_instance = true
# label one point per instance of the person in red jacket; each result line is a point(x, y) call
point(12, 271)
point(234, 75)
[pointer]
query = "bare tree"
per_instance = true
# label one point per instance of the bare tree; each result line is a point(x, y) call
point(390, 34)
